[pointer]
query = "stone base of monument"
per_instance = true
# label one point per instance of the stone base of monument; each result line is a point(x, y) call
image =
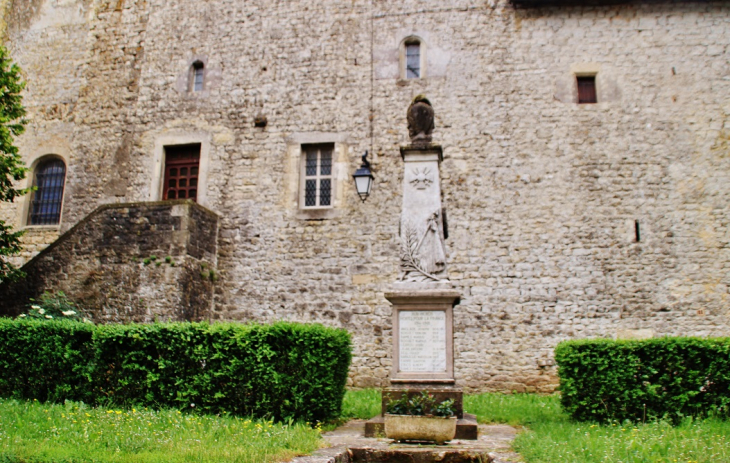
point(466, 427)
point(466, 424)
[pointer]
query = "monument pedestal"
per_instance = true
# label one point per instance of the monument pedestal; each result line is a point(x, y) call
point(423, 353)
point(423, 327)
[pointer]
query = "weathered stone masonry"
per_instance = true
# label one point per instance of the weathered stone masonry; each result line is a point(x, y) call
point(542, 193)
point(138, 262)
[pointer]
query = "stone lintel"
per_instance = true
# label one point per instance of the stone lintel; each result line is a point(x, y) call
point(421, 382)
point(422, 152)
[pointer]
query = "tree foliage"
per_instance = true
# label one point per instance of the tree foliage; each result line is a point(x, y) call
point(12, 169)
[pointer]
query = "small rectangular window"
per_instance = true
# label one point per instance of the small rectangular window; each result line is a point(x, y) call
point(413, 60)
point(587, 89)
point(182, 166)
point(317, 175)
point(198, 80)
point(197, 77)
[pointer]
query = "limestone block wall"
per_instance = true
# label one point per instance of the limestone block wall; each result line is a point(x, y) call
point(129, 262)
point(34, 241)
point(542, 194)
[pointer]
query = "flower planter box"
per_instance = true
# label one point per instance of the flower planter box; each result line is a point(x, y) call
point(424, 428)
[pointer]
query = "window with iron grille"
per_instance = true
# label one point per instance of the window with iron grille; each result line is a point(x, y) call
point(587, 89)
point(413, 60)
point(182, 167)
point(317, 178)
point(198, 74)
point(49, 180)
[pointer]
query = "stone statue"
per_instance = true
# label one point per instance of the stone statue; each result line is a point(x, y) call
point(420, 120)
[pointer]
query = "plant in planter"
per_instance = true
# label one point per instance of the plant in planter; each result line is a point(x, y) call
point(420, 418)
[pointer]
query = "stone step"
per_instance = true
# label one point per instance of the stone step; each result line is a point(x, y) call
point(349, 445)
point(418, 455)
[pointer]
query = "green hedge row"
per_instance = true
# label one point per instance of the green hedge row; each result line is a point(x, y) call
point(602, 380)
point(282, 371)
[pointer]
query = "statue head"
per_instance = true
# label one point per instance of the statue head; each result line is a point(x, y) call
point(420, 120)
point(421, 98)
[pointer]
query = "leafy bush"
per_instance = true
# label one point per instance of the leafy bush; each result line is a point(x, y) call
point(423, 404)
point(604, 380)
point(52, 306)
point(281, 371)
point(45, 361)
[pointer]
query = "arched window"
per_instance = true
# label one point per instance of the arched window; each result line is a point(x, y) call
point(197, 75)
point(49, 180)
point(412, 58)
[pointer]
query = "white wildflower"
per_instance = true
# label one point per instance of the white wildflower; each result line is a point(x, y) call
point(37, 307)
point(68, 313)
point(49, 316)
point(41, 311)
point(22, 315)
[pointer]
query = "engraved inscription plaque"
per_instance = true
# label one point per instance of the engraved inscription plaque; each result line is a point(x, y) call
point(422, 336)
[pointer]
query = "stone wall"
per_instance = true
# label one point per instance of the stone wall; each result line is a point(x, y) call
point(129, 262)
point(34, 240)
point(542, 193)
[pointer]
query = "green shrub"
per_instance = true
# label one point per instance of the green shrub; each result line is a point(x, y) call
point(423, 404)
point(281, 371)
point(47, 361)
point(54, 306)
point(604, 380)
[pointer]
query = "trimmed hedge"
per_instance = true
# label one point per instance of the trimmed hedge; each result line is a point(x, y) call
point(603, 380)
point(282, 371)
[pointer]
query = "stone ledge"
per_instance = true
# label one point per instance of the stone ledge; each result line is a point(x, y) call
point(330, 455)
point(466, 428)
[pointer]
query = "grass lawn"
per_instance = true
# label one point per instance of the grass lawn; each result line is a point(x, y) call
point(363, 404)
point(75, 433)
point(551, 437)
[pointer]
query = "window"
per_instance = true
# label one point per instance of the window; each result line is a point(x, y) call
point(182, 167)
point(413, 60)
point(587, 89)
point(317, 178)
point(49, 180)
point(196, 76)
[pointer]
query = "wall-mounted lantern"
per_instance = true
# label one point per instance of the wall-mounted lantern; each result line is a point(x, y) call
point(363, 178)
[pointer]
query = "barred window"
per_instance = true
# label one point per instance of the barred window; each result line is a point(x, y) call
point(317, 178)
point(182, 167)
point(49, 180)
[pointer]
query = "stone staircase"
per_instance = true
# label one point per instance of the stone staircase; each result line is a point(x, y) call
point(139, 262)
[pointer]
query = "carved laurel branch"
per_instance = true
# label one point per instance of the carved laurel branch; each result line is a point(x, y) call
point(408, 248)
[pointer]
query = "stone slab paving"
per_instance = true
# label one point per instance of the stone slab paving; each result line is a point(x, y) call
point(348, 445)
